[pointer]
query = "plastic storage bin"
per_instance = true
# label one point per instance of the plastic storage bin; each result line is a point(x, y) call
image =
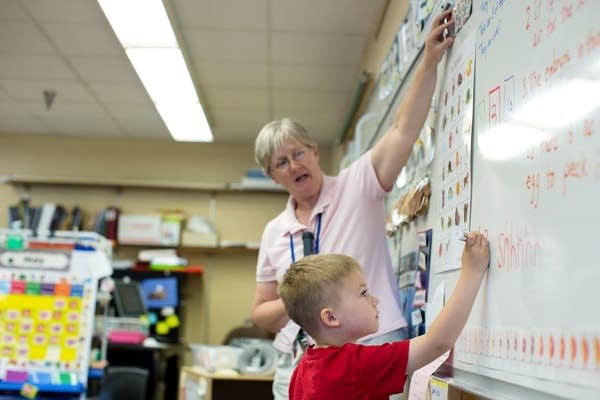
point(125, 330)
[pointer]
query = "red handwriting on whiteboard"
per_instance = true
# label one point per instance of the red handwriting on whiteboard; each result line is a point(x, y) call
point(589, 45)
point(588, 127)
point(542, 19)
point(558, 63)
point(530, 83)
point(576, 169)
point(585, 165)
point(550, 180)
point(567, 11)
point(532, 13)
point(549, 145)
point(494, 107)
point(518, 248)
point(532, 184)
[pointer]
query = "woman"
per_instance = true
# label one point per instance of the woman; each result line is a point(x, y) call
point(344, 213)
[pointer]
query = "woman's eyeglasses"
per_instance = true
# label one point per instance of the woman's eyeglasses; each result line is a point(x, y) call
point(283, 163)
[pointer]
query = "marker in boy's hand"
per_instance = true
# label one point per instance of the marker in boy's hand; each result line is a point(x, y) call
point(476, 254)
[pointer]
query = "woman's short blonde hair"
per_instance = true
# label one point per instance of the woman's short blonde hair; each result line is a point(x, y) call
point(274, 135)
point(313, 283)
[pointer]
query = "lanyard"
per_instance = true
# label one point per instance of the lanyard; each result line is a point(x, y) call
point(316, 239)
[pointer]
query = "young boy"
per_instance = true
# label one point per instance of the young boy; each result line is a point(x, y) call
point(327, 296)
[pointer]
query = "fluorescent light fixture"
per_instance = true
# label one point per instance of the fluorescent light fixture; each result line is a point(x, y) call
point(163, 73)
point(144, 30)
point(186, 121)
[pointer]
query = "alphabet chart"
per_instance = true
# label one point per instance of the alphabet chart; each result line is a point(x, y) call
point(454, 153)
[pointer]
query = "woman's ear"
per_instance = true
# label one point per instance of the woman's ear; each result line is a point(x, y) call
point(272, 177)
point(328, 318)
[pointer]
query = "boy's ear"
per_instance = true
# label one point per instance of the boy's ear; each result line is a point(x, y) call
point(328, 318)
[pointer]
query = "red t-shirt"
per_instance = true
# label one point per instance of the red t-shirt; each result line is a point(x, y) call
point(352, 371)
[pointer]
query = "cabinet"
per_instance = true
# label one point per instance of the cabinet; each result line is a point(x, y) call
point(197, 384)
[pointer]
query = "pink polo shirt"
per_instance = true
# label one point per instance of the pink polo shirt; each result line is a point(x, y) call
point(352, 223)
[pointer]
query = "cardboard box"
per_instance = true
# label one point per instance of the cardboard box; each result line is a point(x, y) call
point(151, 229)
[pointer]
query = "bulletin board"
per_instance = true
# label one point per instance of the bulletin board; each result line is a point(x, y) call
point(535, 193)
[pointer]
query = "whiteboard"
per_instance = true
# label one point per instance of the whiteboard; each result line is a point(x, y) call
point(534, 331)
point(536, 193)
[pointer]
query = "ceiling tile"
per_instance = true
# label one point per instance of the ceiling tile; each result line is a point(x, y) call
point(310, 118)
point(331, 16)
point(12, 11)
point(144, 127)
point(121, 93)
point(114, 69)
point(231, 75)
point(313, 77)
point(64, 10)
point(133, 111)
point(244, 46)
point(226, 14)
point(332, 103)
point(9, 108)
point(317, 49)
point(227, 121)
point(24, 38)
point(3, 95)
point(29, 126)
point(86, 125)
point(138, 120)
point(18, 66)
point(250, 99)
point(65, 110)
point(83, 39)
point(66, 91)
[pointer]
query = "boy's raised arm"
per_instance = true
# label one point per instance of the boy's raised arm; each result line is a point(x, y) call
point(445, 329)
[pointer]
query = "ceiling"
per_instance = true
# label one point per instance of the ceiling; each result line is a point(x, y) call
point(252, 61)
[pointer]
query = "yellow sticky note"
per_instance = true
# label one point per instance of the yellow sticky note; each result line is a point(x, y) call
point(438, 389)
point(172, 321)
point(162, 328)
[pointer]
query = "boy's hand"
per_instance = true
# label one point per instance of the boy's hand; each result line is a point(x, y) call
point(476, 254)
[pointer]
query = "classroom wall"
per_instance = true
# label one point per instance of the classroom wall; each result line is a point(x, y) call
point(219, 299)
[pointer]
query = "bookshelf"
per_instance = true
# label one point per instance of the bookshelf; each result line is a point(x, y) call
point(212, 188)
point(222, 250)
point(215, 187)
point(238, 214)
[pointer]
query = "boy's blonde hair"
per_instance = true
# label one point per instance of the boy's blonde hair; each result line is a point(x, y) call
point(274, 135)
point(312, 283)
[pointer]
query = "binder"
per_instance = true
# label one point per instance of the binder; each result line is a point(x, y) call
point(111, 215)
